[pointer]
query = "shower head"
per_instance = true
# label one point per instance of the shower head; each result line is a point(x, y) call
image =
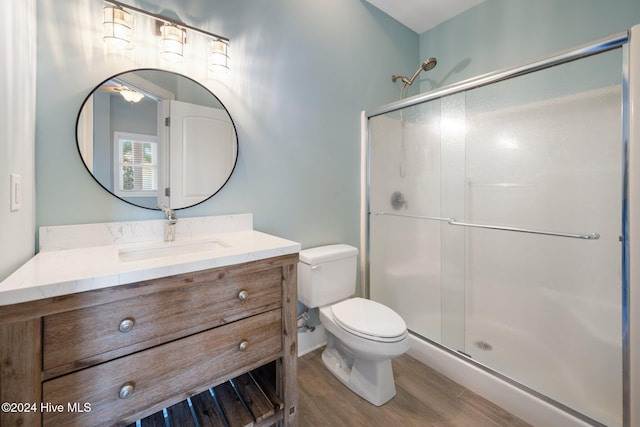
point(428, 64)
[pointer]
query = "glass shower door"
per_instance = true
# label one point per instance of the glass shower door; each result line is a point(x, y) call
point(484, 208)
point(405, 180)
point(544, 152)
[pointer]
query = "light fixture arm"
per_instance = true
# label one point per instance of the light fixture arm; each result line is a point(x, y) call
point(166, 20)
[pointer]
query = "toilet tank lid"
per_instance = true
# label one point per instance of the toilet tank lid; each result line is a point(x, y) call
point(327, 253)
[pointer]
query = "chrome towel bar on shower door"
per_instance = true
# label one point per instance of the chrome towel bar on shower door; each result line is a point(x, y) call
point(452, 221)
point(592, 236)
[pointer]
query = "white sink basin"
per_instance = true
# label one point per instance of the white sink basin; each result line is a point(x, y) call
point(166, 249)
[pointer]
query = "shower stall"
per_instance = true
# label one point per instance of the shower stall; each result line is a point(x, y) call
point(496, 223)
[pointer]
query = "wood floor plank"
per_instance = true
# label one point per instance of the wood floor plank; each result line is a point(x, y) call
point(337, 405)
point(444, 394)
point(490, 411)
point(425, 398)
point(310, 414)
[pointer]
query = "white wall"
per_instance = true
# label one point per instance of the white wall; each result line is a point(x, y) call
point(17, 130)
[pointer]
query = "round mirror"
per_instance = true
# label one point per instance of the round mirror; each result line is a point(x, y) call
point(155, 138)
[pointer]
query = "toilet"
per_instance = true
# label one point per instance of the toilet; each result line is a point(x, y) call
point(362, 335)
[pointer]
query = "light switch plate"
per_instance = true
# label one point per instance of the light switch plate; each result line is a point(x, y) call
point(16, 192)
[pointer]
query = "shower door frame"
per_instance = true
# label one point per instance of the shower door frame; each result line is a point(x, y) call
point(630, 230)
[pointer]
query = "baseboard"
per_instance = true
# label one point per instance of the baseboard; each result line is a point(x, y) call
point(309, 341)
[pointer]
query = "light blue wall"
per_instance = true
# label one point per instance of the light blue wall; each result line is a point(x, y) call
point(301, 73)
point(502, 33)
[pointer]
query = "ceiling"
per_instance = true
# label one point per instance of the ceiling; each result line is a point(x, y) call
point(422, 15)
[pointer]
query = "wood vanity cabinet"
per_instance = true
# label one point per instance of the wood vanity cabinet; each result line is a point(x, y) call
point(115, 355)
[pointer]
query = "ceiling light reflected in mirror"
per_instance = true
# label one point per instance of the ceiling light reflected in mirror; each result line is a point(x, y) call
point(131, 95)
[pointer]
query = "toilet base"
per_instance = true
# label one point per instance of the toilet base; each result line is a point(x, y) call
point(370, 379)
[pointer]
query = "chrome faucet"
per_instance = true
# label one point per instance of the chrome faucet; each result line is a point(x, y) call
point(170, 226)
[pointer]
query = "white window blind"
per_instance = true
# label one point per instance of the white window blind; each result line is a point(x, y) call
point(136, 165)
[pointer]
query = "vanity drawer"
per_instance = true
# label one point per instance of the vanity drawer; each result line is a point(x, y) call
point(85, 337)
point(163, 375)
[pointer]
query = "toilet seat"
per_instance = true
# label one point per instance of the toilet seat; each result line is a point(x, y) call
point(369, 319)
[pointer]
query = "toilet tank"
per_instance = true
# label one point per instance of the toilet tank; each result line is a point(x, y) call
point(326, 274)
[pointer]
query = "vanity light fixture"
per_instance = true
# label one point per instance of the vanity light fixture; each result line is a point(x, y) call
point(173, 35)
point(117, 25)
point(173, 41)
point(218, 57)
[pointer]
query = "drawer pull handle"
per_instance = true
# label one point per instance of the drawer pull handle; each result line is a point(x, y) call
point(126, 390)
point(243, 295)
point(126, 325)
point(243, 346)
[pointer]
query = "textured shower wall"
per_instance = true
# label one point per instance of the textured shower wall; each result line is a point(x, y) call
point(543, 310)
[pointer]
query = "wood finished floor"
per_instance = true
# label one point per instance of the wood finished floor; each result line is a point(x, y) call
point(423, 398)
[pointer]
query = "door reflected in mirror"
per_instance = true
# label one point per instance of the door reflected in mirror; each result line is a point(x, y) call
point(156, 138)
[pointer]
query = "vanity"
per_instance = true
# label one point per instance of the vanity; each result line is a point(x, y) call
point(109, 324)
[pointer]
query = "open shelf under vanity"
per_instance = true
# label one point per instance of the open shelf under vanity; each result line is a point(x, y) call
point(249, 400)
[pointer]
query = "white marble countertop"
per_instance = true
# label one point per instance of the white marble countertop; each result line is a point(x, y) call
point(86, 257)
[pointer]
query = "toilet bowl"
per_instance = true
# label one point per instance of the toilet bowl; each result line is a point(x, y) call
point(362, 359)
point(363, 336)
